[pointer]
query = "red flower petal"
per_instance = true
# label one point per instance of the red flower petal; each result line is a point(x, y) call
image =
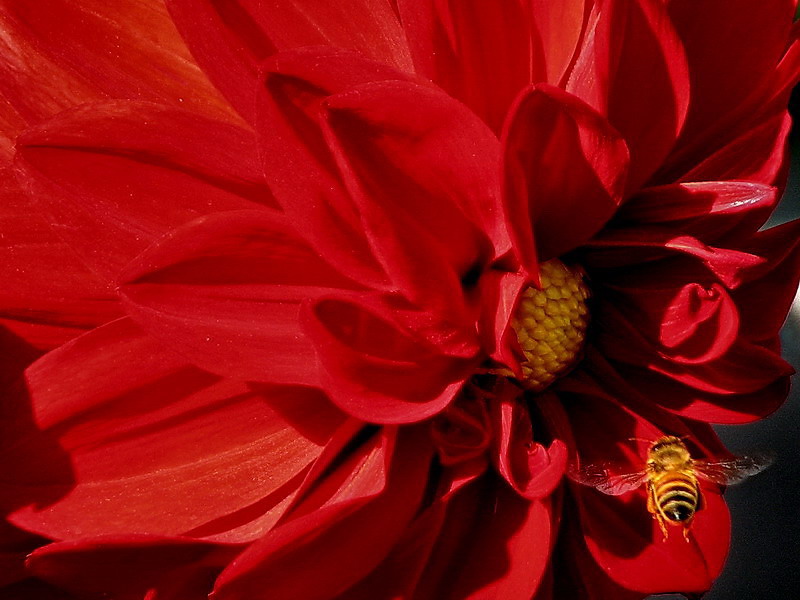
point(397, 576)
point(130, 565)
point(463, 431)
point(689, 323)
point(632, 68)
point(743, 368)
point(297, 161)
point(561, 159)
point(230, 40)
point(493, 544)
point(776, 282)
point(758, 154)
point(481, 53)
point(226, 291)
point(723, 71)
point(560, 25)
point(50, 294)
point(386, 363)
point(500, 290)
point(709, 211)
point(335, 547)
point(160, 447)
point(625, 540)
point(531, 469)
point(691, 403)
point(118, 175)
point(629, 247)
point(46, 65)
point(425, 184)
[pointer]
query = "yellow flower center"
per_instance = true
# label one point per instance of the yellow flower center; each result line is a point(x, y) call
point(551, 323)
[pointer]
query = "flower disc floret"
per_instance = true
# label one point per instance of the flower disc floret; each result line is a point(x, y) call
point(550, 322)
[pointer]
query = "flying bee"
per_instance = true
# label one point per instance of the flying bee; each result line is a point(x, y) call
point(671, 476)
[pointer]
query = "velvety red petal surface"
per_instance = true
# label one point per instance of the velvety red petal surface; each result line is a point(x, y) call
point(46, 65)
point(226, 291)
point(387, 363)
point(48, 295)
point(530, 468)
point(156, 446)
point(230, 39)
point(560, 26)
point(342, 540)
point(777, 279)
point(118, 175)
point(560, 158)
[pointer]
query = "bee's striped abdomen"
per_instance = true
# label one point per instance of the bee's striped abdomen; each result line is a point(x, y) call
point(676, 496)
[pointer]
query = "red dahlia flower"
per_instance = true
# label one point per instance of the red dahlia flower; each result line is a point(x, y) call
point(347, 343)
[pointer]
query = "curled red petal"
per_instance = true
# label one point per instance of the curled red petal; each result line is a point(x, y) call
point(423, 191)
point(622, 536)
point(530, 468)
point(463, 431)
point(439, 167)
point(389, 364)
point(709, 407)
point(298, 162)
point(776, 281)
point(742, 368)
point(690, 323)
point(616, 248)
point(758, 154)
point(560, 158)
point(560, 27)
point(626, 542)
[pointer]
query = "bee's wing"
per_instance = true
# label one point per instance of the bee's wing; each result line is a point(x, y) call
point(734, 470)
point(600, 478)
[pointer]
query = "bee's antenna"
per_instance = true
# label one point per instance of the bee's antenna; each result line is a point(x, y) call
point(636, 439)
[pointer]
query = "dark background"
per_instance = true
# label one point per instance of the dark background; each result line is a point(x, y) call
point(764, 562)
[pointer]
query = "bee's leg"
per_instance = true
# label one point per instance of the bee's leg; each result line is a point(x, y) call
point(686, 532)
point(653, 509)
point(662, 525)
point(651, 504)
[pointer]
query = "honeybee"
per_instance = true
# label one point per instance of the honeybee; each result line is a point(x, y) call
point(671, 474)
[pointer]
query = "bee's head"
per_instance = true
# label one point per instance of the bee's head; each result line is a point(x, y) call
point(669, 452)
